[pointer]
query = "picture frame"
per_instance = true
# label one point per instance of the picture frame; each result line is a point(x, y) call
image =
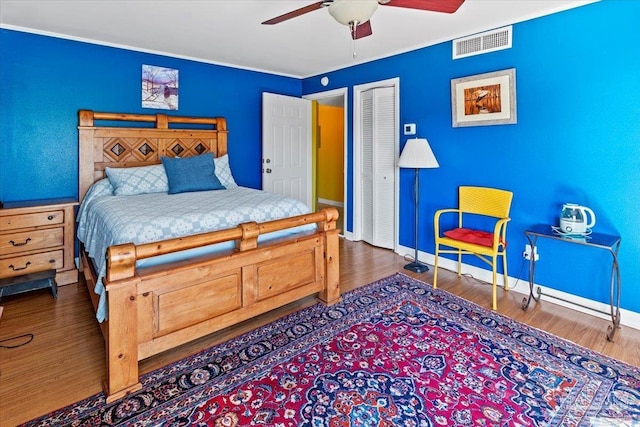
point(159, 87)
point(484, 99)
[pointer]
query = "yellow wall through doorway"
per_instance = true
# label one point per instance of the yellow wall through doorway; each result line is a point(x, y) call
point(330, 160)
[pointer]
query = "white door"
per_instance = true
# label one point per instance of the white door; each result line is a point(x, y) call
point(286, 146)
point(378, 155)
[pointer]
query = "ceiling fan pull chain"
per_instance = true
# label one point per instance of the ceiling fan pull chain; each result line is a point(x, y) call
point(353, 28)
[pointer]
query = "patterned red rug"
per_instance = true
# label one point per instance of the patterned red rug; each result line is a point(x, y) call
point(393, 353)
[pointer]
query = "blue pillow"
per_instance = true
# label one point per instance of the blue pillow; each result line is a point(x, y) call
point(197, 173)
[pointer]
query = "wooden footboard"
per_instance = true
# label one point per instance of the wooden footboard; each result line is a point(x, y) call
point(158, 308)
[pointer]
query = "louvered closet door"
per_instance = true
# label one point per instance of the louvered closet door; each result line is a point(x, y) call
point(378, 166)
point(367, 165)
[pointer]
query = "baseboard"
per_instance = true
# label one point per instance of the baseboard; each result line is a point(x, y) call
point(595, 308)
point(331, 203)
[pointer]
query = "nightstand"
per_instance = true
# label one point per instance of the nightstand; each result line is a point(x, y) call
point(36, 236)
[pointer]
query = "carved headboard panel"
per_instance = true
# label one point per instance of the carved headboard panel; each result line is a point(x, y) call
point(142, 141)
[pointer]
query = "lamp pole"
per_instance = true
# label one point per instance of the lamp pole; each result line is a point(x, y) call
point(416, 266)
point(417, 154)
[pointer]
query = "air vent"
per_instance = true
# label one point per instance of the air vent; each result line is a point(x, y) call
point(488, 41)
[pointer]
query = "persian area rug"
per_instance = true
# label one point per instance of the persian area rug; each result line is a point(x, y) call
point(393, 353)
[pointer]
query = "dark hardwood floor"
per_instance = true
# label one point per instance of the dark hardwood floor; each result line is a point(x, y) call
point(64, 362)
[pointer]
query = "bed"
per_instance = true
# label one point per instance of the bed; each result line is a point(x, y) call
point(152, 296)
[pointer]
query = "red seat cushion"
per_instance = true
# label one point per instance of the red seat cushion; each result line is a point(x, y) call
point(467, 235)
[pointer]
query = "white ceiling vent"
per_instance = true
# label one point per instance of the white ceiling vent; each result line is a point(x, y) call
point(488, 41)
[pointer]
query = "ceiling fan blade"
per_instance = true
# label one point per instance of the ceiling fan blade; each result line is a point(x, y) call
point(362, 30)
point(295, 13)
point(445, 6)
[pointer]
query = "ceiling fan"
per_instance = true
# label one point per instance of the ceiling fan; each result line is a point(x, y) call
point(356, 13)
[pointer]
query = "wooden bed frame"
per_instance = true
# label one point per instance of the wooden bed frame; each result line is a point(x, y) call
point(158, 308)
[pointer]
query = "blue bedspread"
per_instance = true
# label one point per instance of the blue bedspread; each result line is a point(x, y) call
point(105, 220)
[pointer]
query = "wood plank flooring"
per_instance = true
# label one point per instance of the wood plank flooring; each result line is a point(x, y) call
point(64, 362)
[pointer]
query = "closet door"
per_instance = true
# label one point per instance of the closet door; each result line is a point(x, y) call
point(378, 166)
point(366, 121)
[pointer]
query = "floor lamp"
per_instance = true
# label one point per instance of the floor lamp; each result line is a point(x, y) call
point(417, 154)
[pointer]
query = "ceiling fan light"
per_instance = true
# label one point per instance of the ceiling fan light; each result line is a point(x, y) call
point(347, 11)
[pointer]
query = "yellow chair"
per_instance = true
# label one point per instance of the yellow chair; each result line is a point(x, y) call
point(494, 205)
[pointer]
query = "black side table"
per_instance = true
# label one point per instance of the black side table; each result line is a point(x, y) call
point(596, 240)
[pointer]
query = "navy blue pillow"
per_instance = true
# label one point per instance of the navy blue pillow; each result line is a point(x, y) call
point(197, 173)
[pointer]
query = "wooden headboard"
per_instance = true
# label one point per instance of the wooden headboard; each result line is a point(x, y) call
point(140, 144)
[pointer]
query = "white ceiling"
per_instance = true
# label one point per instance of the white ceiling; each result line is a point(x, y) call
point(229, 32)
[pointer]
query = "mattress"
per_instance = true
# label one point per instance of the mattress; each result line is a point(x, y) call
point(105, 220)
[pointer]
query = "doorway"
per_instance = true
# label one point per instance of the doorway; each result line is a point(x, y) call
point(330, 178)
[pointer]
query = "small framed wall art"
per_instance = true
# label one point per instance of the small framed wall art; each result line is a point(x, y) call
point(159, 87)
point(484, 99)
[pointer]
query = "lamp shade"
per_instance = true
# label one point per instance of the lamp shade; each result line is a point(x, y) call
point(417, 154)
point(348, 11)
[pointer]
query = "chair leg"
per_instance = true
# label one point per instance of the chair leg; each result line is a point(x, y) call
point(435, 270)
point(495, 274)
point(459, 263)
point(506, 276)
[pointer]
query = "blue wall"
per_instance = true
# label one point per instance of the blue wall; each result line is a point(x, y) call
point(577, 138)
point(45, 81)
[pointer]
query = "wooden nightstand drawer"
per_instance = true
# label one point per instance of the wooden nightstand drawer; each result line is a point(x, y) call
point(37, 235)
point(31, 240)
point(26, 264)
point(36, 219)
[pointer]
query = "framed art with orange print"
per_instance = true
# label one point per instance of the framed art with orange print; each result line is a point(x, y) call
point(484, 99)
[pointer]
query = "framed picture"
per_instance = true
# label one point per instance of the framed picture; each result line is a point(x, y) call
point(159, 87)
point(484, 99)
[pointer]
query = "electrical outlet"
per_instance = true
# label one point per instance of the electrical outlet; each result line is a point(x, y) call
point(527, 253)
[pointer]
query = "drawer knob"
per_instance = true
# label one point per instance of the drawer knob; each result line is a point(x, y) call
point(50, 217)
point(20, 268)
point(20, 244)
